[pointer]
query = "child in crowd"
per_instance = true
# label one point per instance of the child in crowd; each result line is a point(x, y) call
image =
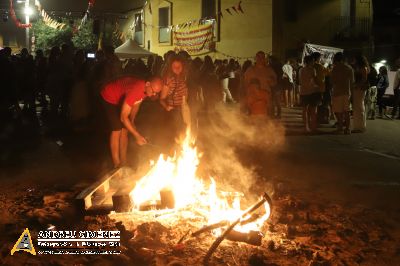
point(370, 102)
point(257, 99)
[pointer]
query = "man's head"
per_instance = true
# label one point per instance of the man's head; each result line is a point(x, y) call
point(316, 56)
point(260, 58)
point(338, 58)
point(177, 65)
point(308, 60)
point(153, 86)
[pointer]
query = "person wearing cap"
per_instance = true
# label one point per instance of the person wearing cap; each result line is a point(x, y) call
point(121, 100)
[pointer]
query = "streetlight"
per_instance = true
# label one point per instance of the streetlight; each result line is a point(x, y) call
point(28, 11)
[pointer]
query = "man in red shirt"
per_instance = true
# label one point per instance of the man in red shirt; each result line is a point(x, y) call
point(122, 99)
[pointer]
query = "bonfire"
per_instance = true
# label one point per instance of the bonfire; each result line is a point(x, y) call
point(171, 191)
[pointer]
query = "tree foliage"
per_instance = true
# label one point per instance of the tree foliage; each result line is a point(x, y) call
point(47, 37)
point(84, 37)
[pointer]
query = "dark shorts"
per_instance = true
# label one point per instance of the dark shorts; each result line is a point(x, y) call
point(287, 85)
point(313, 99)
point(113, 116)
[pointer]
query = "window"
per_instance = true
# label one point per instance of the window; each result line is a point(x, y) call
point(208, 8)
point(138, 29)
point(164, 35)
point(345, 8)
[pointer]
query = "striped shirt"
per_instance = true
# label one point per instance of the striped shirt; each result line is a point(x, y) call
point(177, 90)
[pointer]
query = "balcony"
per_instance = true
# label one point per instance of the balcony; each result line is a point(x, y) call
point(348, 29)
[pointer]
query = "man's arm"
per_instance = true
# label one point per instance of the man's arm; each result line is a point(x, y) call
point(128, 113)
point(163, 98)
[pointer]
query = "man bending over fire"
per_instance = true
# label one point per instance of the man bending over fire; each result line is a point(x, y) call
point(122, 99)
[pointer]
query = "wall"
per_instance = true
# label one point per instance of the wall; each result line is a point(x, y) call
point(244, 34)
point(241, 35)
point(317, 22)
point(314, 21)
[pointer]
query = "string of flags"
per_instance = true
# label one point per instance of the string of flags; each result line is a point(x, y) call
point(235, 9)
point(52, 23)
point(47, 19)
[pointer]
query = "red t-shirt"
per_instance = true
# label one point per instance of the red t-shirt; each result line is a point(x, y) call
point(130, 90)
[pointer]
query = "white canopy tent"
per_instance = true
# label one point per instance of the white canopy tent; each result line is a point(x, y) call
point(326, 52)
point(130, 49)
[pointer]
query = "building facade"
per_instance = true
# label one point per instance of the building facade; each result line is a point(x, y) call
point(345, 24)
point(219, 28)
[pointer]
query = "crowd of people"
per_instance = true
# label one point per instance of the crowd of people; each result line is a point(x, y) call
point(345, 89)
point(70, 86)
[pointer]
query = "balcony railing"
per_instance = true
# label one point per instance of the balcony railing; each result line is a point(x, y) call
point(348, 28)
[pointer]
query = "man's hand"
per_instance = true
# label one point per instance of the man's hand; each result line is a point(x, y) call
point(140, 140)
point(169, 108)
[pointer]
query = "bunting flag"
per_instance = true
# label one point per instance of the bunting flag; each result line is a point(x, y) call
point(150, 10)
point(47, 19)
point(201, 21)
point(239, 7)
point(194, 40)
point(51, 22)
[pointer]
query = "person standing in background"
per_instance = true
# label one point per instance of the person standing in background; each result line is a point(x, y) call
point(265, 75)
point(361, 85)
point(396, 90)
point(342, 78)
point(381, 86)
point(287, 83)
point(310, 94)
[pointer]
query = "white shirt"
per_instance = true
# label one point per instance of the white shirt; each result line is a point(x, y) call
point(288, 71)
point(396, 82)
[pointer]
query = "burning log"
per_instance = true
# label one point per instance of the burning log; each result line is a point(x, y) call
point(220, 224)
point(218, 241)
point(210, 228)
point(167, 199)
point(252, 238)
point(252, 218)
point(122, 201)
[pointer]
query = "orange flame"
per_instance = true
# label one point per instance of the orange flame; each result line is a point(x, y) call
point(178, 174)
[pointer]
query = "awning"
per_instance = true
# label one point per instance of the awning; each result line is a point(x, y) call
point(130, 49)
